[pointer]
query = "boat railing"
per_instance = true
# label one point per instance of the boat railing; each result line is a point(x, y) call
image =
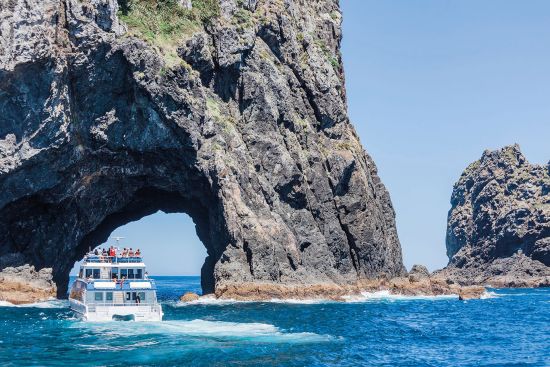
point(121, 285)
point(95, 307)
point(130, 304)
point(113, 259)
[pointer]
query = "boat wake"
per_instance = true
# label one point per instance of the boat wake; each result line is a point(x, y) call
point(257, 332)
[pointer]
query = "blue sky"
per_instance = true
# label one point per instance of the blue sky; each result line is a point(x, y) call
point(430, 85)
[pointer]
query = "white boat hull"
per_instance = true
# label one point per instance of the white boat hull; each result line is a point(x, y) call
point(117, 312)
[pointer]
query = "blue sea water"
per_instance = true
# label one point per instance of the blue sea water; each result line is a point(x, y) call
point(509, 328)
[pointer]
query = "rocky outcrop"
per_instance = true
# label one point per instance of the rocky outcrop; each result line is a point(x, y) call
point(22, 284)
point(237, 118)
point(400, 286)
point(498, 230)
point(189, 297)
point(418, 272)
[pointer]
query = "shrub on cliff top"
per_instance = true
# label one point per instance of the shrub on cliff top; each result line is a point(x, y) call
point(165, 23)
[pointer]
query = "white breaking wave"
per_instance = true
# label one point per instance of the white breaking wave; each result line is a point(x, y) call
point(212, 300)
point(203, 328)
point(387, 296)
point(208, 300)
point(313, 301)
point(489, 295)
point(53, 303)
point(384, 295)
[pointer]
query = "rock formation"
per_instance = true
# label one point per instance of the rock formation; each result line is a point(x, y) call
point(498, 229)
point(23, 284)
point(189, 297)
point(233, 112)
point(404, 286)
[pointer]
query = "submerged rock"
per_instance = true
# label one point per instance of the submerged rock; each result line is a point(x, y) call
point(239, 121)
point(498, 230)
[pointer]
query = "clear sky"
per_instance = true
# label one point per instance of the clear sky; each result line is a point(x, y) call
point(430, 85)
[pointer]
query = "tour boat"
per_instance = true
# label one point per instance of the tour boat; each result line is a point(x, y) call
point(114, 288)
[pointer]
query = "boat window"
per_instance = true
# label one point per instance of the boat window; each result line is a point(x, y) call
point(80, 274)
point(124, 273)
point(130, 273)
point(99, 296)
point(114, 273)
point(88, 273)
point(139, 274)
point(96, 273)
point(128, 295)
point(108, 296)
point(141, 296)
point(134, 296)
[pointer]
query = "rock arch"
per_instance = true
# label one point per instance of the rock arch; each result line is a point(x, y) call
point(247, 133)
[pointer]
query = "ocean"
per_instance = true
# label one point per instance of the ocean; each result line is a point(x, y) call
point(509, 327)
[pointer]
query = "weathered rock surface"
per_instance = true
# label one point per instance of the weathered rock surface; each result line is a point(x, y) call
point(418, 272)
point(189, 297)
point(498, 230)
point(23, 284)
point(429, 286)
point(247, 133)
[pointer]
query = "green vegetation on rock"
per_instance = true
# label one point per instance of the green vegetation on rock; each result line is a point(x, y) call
point(165, 23)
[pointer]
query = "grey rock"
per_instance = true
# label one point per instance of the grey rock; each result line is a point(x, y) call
point(418, 272)
point(499, 223)
point(251, 138)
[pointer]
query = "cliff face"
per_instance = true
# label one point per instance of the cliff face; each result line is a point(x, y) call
point(498, 228)
point(233, 112)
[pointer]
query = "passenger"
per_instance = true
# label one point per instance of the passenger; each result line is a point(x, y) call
point(138, 253)
point(131, 253)
point(96, 252)
point(138, 299)
point(112, 251)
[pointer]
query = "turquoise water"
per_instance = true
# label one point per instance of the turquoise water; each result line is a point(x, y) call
point(510, 328)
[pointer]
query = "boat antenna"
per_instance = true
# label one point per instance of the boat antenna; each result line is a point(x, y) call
point(117, 239)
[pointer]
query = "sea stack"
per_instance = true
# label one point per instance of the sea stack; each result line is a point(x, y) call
point(498, 230)
point(239, 120)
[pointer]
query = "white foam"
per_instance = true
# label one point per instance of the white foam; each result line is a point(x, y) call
point(313, 301)
point(387, 296)
point(489, 295)
point(53, 303)
point(208, 300)
point(212, 300)
point(203, 328)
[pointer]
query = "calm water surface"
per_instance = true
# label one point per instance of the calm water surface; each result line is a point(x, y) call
point(511, 328)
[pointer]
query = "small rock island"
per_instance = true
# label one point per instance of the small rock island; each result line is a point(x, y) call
point(498, 230)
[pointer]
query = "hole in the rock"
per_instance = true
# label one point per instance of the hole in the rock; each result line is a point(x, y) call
point(168, 243)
